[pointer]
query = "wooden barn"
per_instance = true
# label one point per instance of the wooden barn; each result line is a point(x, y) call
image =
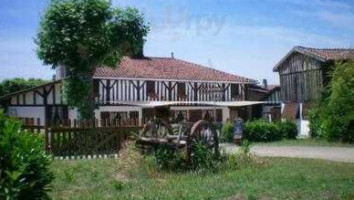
point(303, 75)
point(140, 85)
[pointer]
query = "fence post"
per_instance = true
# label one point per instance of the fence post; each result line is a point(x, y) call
point(38, 125)
point(46, 138)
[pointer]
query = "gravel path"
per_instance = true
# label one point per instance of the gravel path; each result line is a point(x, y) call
point(340, 154)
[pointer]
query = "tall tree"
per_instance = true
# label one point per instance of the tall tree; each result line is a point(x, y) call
point(83, 35)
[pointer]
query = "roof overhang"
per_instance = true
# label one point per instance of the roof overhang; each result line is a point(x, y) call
point(153, 104)
point(30, 89)
point(295, 50)
point(251, 81)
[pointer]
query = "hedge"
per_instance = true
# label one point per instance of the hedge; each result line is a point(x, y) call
point(263, 131)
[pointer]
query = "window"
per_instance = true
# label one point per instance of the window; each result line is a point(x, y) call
point(134, 114)
point(150, 87)
point(113, 117)
point(234, 90)
point(181, 90)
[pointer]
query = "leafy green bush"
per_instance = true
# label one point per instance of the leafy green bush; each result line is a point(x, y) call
point(168, 158)
point(261, 131)
point(333, 118)
point(288, 129)
point(24, 166)
point(202, 158)
point(227, 132)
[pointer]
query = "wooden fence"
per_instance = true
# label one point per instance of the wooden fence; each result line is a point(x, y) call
point(92, 138)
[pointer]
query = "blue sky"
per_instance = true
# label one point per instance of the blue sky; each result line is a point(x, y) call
point(243, 37)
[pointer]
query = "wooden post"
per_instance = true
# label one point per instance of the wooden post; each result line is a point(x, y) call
point(46, 137)
point(188, 150)
point(38, 125)
point(195, 91)
point(108, 92)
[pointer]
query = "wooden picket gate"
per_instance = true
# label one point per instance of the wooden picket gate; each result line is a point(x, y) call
point(75, 142)
point(73, 139)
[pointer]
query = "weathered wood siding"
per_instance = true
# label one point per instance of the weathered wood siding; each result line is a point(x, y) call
point(301, 79)
point(274, 97)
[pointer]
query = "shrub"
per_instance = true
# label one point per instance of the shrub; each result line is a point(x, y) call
point(261, 131)
point(202, 158)
point(315, 122)
point(24, 172)
point(288, 129)
point(333, 118)
point(168, 158)
point(227, 132)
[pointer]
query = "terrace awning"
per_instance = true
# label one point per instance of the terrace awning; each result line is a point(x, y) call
point(153, 104)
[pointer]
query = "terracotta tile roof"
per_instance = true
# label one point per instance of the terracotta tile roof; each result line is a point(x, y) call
point(320, 54)
point(166, 68)
point(327, 54)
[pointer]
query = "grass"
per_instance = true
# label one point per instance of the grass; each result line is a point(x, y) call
point(279, 178)
point(313, 142)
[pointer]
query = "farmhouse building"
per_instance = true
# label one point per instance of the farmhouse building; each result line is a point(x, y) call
point(138, 87)
point(303, 75)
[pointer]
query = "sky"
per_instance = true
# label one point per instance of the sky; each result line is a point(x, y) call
point(242, 37)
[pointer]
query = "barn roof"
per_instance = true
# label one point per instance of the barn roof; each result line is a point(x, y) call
point(163, 68)
point(319, 54)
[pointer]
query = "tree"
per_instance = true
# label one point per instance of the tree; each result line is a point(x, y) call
point(17, 84)
point(83, 35)
point(333, 118)
point(24, 164)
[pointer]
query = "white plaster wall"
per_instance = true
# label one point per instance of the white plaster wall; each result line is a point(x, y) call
point(50, 96)
point(225, 114)
point(305, 129)
point(13, 100)
point(29, 98)
point(57, 93)
point(27, 111)
point(282, 107)
point(39, 99)
point(73, 114)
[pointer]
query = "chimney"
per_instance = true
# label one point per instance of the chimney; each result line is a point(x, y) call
point(265, 83)
point(172, 55)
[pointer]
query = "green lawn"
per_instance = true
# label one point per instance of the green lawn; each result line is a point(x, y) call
point(278, 178)
point(313, 142)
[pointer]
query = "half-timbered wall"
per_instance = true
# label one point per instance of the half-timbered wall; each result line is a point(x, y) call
point(48, 95)
point(301, 79)
point(112, 91)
